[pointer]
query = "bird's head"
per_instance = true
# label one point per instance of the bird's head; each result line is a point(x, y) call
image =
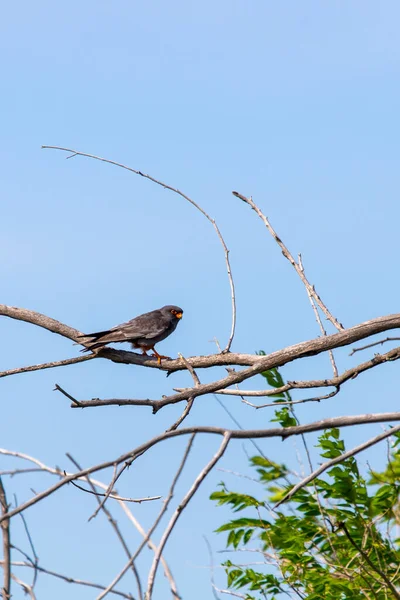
point(175, 311)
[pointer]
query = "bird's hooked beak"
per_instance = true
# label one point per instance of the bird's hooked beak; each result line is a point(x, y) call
point(178, 315)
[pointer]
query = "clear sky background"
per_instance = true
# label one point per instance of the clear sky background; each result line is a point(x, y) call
point(296, 104)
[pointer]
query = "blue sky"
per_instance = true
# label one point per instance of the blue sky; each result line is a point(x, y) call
point(295, 104)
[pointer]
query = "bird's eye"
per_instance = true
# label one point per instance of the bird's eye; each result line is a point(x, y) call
point(173, 312)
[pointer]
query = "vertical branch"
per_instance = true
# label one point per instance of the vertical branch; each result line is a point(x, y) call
point(5, 527)
point(147, 536)
point(178, 511)
point(114, 525)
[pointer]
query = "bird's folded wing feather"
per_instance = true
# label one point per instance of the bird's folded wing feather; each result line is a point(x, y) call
point(145, 326)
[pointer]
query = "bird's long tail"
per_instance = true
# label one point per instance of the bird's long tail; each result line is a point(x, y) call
point(93, 343)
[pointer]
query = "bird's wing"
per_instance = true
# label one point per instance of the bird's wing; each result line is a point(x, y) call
point(147, 326)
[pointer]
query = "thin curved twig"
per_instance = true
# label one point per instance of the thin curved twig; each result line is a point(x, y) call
point(310, 288)
point(192, 202)
point(380, 343)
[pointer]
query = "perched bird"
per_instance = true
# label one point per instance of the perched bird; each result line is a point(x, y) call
point(142, 332)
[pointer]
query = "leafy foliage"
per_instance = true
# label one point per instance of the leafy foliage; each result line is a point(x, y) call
point(332, 540)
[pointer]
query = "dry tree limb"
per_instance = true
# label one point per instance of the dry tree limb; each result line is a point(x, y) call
point(310, 288)
point(55, 471)
point(192, 202)
point(267, 362)
point(380, 343)
point(190, 400)
point(334, 461)
point(178, 511)
point(113, 524)
point(26, 587)
point(48, 365)
point(275, 359)
point(283, 433)
point(318, 319)
point(152, 546)
point(5, 528)
point(147, 536)
point(66, 578)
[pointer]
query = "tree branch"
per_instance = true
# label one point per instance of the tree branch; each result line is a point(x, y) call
point(178, 511)
point(282, 433)
point(192, 202)
point(268, 362)
point(335, 461)
point(5, 527)
point(310, 288)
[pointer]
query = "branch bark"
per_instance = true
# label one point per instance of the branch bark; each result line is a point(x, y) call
point(282, 433)
point(5, 527)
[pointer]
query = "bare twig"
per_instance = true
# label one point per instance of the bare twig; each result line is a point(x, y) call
point(114, 525)
point(292, 402)
point(49, 365)
point(310, 288)
point(5, 528)
point(67, 578)
point(59, 389)
point(108, 492)
point(192, 202)
point(183, 416)
point(114, 497)
point(318, 318)
point(380, 343)
point(135, 522)
point(147, 536)
point(212, 567)
point(27, 588)
point(35, 562)
point(190, 401)
point(178, 511)
point(283, 433)
point(152, 546)
point(334, 461)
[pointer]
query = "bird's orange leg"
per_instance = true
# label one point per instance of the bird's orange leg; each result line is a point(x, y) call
point(159, 356)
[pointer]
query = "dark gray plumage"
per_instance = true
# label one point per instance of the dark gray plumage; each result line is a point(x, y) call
point(142, 332)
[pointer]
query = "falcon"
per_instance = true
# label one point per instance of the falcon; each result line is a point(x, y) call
point(144, 331)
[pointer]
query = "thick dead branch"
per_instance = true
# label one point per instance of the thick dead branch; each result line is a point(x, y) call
point(275, 359)
point(234, 377)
